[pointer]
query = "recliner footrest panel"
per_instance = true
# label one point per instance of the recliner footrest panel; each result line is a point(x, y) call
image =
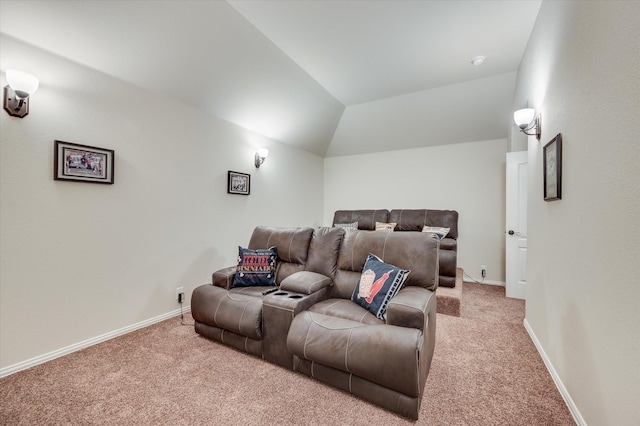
point(383, 354)
point(235, 312)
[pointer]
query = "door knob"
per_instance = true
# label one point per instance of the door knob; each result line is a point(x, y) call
point(511, 232)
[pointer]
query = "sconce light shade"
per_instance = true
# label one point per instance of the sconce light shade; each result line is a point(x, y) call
point(523, 117)
point(16, 93)
point(22, 83)
point(526, 119)
point(261, 155)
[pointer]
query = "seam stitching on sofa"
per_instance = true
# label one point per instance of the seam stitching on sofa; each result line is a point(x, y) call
point(241, 316)
point(216, 311)
point(350, 376)
point(222, 336)
point(353, 249)
point(418, 366)
point(349, 327)
point(289, 249)
point(227, 279)
point(384, 247)
point(240, 292)
point(269, 240)
point(346, 356)
point(306, 337)
point(331, 305)
point(284, 308)
point(311, 288)
point(404, 304)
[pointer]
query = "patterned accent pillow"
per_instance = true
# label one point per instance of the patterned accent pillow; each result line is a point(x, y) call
point(347, 226)
point(255, 267)
point(438, 230)
point(378, 283)
point(387, 227)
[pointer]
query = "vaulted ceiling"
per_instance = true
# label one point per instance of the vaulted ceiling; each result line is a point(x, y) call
point(289, 69)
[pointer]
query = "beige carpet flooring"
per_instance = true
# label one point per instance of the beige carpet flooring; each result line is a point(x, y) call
point(485, 371)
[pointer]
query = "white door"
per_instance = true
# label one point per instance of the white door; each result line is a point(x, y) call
point(516, 232)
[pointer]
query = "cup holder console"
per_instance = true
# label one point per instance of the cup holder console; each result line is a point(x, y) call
point(290, 295)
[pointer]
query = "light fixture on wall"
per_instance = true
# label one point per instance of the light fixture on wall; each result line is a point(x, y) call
point(261, 155)
point(16, 93)
point(527, 120)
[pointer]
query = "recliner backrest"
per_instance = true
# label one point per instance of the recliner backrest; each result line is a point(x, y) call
point(414, 220)
point(366, 218)
point(324, 250)
point(292, 245)
point(416, 251)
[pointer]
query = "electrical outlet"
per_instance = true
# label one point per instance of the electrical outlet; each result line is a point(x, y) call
point(483, 270)
point(179, 290)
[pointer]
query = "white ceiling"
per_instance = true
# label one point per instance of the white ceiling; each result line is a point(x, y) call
point(362, 51)
point(284, 69)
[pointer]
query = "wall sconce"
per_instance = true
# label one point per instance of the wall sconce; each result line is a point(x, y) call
point(261, 155)
point(16, 93)
point(526, 119)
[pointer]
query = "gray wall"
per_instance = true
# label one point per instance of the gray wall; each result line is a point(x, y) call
point(581, 72)
point(80, 260)
point(466, 177)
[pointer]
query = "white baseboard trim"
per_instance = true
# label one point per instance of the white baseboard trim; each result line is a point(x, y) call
point(468, 278)
point(556, 379)
point(487, 282)
point(6, 371)
point(491, 282)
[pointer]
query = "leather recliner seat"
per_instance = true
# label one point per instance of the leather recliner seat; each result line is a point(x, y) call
point(343, 344)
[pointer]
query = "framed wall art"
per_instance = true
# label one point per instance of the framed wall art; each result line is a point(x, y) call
point(82, 163)
point(238, 183)
point(552, 160)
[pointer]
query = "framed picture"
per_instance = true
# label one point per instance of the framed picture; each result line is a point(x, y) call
point(238, 183)
point(552, 160)
point(82, 163)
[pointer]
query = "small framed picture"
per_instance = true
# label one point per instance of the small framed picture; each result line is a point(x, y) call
point(552, 160)
point(238, 183)
point(82, 163)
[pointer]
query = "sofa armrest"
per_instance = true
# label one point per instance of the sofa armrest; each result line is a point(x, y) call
point(411, 307)
point(305, 282)
point(224, 277)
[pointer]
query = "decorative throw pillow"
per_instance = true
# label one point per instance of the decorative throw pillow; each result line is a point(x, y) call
point(255, 267)
point(347, 226)
point(387, 227)
point(378, 283)
point(438, 230)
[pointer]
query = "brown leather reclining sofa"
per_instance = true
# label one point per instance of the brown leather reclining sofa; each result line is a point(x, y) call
point(309, 324)
point(414, 220)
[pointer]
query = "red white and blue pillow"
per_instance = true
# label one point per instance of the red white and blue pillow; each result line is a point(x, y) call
point(256, 267)
point(378, 284)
